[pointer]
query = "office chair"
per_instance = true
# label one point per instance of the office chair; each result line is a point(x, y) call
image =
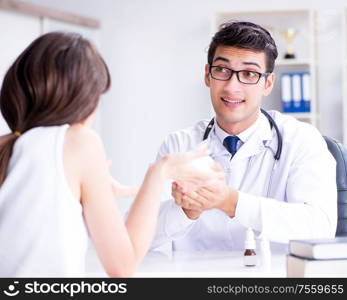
point(340, 154)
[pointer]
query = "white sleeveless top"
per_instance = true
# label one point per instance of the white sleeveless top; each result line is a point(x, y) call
point(42, 230)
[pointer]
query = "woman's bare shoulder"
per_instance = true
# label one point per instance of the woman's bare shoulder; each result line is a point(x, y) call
point(82, 139)
point(83, 156)
point(83, 149)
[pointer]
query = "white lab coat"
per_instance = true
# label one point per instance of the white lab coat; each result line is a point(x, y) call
point(300, 202)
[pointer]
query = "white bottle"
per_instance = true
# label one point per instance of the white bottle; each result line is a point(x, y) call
point(265, 251)
point(250, 256)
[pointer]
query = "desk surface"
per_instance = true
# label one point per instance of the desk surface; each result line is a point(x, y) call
point(198, 264)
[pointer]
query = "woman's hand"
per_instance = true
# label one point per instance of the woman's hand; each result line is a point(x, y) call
point(195, 167)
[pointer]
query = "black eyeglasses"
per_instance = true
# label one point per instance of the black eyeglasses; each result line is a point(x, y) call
point(243, 76)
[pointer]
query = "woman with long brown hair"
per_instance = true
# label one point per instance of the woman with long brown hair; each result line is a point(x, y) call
point(54, 180)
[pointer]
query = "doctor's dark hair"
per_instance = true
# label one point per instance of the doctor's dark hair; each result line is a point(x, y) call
point(57, 79)
point(245, 35)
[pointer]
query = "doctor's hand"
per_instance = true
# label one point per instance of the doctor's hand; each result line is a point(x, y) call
point(214, 195)
point(192, 211)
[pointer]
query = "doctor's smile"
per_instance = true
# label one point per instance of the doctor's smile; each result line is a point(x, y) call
point(230, 102)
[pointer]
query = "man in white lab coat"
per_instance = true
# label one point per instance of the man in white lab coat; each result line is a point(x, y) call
point(287, 193)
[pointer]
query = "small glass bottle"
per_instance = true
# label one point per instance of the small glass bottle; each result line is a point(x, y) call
point(250, 256)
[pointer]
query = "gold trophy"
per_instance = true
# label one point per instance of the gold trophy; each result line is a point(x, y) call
point(289, 34)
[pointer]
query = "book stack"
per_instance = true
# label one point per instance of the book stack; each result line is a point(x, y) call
point(317, 258)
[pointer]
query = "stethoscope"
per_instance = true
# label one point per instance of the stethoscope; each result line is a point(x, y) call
point(277, 155)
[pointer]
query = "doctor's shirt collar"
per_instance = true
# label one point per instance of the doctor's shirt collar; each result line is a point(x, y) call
point(244, 135)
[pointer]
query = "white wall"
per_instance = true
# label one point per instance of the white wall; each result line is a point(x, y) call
point(26, 26)
point(156, 51)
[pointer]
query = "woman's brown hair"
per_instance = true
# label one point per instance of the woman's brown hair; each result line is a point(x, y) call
point(56, 80)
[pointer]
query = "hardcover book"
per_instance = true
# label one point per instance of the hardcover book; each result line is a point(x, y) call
point(320, 248)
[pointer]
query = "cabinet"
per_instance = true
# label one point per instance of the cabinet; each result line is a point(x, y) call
point(304, 45)
point(24, 22)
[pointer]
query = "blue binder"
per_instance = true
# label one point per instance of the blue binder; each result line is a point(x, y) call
point(297, 92)
point(286, 92)
point(306, 91)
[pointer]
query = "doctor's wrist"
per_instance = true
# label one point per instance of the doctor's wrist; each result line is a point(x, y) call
point(191, 213)
point(230, 202)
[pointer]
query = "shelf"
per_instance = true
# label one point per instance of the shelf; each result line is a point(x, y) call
point(292, 62)
point(304, 115)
